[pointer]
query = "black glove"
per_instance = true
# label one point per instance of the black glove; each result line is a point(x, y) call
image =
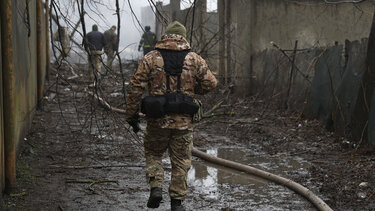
point(134, 122)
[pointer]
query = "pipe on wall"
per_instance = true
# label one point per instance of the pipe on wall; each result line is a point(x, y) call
point(39, 31)
point(2, 175)
point(46, 5)
point(9, 103)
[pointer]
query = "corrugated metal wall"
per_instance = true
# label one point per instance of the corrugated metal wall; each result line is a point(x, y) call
point(20, 69)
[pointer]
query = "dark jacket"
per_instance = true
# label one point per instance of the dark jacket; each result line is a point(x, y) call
point(95, 40)
point(148, 40)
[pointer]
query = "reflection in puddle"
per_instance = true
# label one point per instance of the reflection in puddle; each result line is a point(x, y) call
point(212, 181)
point(205, 177)
point(208, 176)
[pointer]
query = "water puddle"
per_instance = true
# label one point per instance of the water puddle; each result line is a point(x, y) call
point(213, 182)
point(213, 186)
point(280, 164)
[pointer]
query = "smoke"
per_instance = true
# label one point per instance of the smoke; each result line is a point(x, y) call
point(103, 14)
point(131, 29)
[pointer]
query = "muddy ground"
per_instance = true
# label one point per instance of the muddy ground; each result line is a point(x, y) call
point(81, 156)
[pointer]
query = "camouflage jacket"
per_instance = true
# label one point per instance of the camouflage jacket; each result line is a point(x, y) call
point(111, 39)
point(62, 36)
point(196, 78)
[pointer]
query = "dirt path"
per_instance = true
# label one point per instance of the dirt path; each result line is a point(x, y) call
point(79, 156)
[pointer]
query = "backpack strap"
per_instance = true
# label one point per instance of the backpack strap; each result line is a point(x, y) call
point(178, 82)
point(173, 64)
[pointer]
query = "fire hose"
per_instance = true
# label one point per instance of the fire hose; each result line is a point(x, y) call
point(308, 194)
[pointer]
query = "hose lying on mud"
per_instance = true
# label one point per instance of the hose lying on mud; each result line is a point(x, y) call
point(315, 200)
point(308, 194)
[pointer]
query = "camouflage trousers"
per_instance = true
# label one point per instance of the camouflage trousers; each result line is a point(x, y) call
point(179, 144)
point(110, 57)
point(95, 65)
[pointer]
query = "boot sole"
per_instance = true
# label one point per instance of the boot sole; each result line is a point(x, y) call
point(154, 203)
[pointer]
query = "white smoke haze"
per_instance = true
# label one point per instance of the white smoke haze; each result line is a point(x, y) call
point(103, 13)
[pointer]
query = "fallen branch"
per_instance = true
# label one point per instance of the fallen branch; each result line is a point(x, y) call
point(105, 104)
point(18, 194)
point(217, 114)
point(90, 181)
point(215, 107)
point(95, 167)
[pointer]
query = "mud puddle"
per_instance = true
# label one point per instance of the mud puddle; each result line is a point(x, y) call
point(212, 187)
point(245, 192)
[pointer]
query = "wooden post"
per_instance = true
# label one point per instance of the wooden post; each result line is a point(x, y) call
point(8, 94)
point(47, 39)
point(202, 19)
point(229, 69)
point(175, 8)
point(158, 18)
point(291, 75)
point(221, 13)
point(39, 46)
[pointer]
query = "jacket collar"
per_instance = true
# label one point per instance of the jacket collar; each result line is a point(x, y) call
point(173, 42)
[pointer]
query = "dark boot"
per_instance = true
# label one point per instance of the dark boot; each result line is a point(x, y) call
point(155, 198)
point(176, 205)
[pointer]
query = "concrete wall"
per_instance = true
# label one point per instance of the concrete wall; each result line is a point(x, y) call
point(329, 81)
point(20, 76)
point(148, 17)
point(311, 22)
point(253, 24)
